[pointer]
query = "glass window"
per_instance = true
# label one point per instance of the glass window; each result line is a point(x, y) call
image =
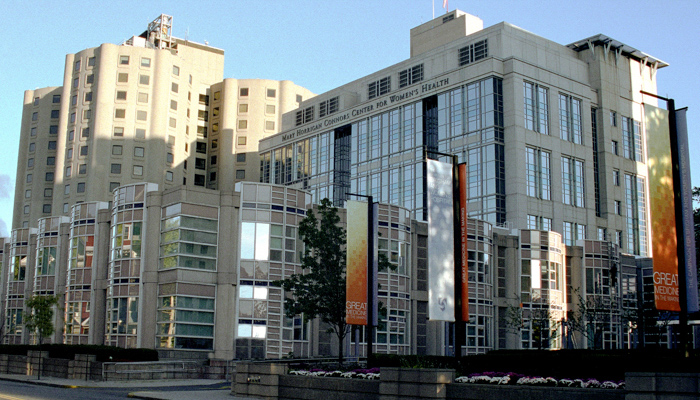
point(116, 169)
point(121, 94)
point(120, 113)
point(118, 131)
point(32, 147)
point(52, 145)
point(138, 170)
point(174, 87)
point(51, 160)
point(242, 124)
point(240, 174)
point(272, 93)
point(143, 97)
point(570, 118)
point(145, 62)
point(243, 108)
point(116, 150)
point(69, 170)
point(139, 151)
point(169, 176)
point(83, 150)
point(240, 157)
point(49, 177)
point(243, 92)
point(57, 98)
point(176, 70)
point(82, 169)
point(270, 125)
point(123, 60)
point(241, 140)
point(144, 79)
point(81, 187)
point(30, 163)
point(122, 77)
point(536, 108)
point(141, 115)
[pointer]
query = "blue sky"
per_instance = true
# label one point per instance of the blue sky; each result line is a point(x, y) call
point(321, 44)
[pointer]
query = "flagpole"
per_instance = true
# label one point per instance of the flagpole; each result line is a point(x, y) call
point(433, 9)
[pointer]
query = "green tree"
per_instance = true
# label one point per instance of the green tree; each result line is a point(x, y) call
point(320, 290)
point(40, 318)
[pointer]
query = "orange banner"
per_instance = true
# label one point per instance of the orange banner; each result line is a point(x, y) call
point(356, 270)
point(463, 225)
point(661, 210)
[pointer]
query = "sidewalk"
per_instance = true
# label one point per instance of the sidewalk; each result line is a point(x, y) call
point(212, 389)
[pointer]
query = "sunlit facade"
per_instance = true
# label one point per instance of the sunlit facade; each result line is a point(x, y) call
point(161, 218)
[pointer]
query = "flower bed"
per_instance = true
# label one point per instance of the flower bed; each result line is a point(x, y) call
point(371, 373)
point(512, 378)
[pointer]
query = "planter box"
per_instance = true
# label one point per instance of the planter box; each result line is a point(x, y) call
point(478, 391)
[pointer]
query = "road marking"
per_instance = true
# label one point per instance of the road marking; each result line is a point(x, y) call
point(8, 397)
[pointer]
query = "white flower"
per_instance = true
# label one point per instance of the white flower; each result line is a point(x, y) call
point(609, 385)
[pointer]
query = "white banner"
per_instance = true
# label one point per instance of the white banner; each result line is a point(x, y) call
point(441, 272)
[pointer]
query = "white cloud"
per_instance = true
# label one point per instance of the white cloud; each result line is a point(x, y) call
point(6, 186)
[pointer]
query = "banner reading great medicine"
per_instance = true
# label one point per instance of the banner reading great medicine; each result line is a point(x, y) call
point(356, 270)
point(664, 242)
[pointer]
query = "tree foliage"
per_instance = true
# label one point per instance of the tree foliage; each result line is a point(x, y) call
point(542, 322)
point(591, 316)
point(40, 318)
point(320, 290)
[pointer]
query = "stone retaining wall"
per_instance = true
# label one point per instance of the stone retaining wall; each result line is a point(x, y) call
point(662, 386)
point(86, 367)
point(271, 381)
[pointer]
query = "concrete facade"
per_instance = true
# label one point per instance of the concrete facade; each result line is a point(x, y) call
point(174, 242)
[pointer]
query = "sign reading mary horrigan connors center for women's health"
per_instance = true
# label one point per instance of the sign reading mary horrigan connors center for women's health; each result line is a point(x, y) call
point(441, 273)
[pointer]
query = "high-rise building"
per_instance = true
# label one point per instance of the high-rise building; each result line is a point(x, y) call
point(160, 201)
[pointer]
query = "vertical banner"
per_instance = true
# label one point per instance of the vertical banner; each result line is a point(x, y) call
point(441, 284)
point(661, 209)
point(375, 265)
point(463, 225)
point(356, 270)
point(691, 276)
